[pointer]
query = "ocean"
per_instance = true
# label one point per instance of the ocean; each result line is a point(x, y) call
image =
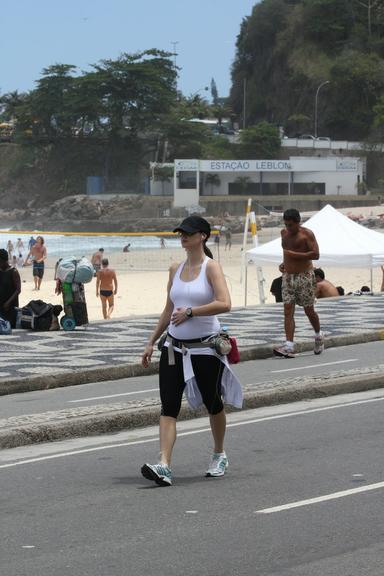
point(63, 246)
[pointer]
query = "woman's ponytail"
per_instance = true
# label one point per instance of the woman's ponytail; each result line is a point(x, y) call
point(207, 251)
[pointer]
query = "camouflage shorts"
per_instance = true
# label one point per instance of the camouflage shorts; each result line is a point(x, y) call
point(299, 288)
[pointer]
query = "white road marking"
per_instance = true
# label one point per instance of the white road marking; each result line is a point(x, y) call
point(314, 366)
point(115, 395)
point(189, 433)
point(156, 389)
point(319, 499)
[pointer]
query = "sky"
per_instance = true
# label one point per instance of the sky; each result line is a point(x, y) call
point(38, 33)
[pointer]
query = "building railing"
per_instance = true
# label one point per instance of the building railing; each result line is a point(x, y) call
point(320, 144)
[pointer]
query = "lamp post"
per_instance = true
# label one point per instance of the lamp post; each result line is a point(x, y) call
point(174, 44)
point(316, 101)
point(244, 100)
point(206, 88)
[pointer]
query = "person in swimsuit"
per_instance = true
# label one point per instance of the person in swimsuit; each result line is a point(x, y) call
point(324, 288)
point(106, 287)
point(197, 292)
point(96, 260)
point(299, 284)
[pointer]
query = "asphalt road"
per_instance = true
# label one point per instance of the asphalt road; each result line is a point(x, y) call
point(347, 359)
point(81, 507)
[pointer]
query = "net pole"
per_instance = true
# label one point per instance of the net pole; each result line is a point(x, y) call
point(245, 234)
point(259, 270)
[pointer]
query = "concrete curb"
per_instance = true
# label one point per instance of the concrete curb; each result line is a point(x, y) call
point(112, 421)
point(101, 374)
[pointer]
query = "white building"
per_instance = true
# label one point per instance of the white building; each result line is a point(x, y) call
point(318, 175)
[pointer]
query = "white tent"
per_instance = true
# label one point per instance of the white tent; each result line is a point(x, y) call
point(342, 243)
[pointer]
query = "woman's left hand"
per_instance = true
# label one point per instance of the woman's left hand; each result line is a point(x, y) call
point(179, 316)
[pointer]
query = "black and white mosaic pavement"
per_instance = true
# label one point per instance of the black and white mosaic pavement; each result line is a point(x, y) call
point(27, 353)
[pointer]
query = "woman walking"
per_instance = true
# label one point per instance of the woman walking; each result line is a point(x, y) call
point(196, 293)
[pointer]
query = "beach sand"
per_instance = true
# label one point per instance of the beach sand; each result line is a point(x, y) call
point(142, 292)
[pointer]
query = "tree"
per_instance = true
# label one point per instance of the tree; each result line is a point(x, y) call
point(51, 102)
point(379, 113)
point(260, 141)
point(298, 124)
point(357, 82)
point(370, 6)
point(214, 92)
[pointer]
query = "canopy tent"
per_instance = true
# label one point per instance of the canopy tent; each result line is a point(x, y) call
point(342, 243)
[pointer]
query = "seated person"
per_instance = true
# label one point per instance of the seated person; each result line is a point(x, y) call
point(276, 289)
point(324, 288)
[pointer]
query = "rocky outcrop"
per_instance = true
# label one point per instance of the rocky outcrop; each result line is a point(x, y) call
point(117, 214)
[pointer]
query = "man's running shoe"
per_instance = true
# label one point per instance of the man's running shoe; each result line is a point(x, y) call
point(218, 465)
point(319, 344)
point(284, 352)
point(159, 473)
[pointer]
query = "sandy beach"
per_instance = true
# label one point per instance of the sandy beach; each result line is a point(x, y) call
point(142, 292)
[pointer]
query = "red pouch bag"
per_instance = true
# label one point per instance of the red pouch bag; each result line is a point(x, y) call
point(234, 354)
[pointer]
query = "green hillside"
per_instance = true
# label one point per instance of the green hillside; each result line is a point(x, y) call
point(287, 48)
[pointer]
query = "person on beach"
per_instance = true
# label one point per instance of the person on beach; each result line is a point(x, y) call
point(38, 255)
point(299, 285)
point(324, 288)
point(31, 242)
point(196, 293)
point(276, 288)
point(228, 238)
point(10, 288)
point(19, 246)
point(96, 260)
point(106, 287)
point(10, 248)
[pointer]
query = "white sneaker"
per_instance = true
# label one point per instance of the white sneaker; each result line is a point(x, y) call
point(319, 344)
point(159, 473)
point(218, 465)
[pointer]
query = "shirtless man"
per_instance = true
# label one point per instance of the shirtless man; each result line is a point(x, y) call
point(299, 285)
point(324, 288)
point(38, 254)
point(96, 259)
point(106, 287)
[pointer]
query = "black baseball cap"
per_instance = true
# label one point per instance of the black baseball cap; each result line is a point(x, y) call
point(194, 224)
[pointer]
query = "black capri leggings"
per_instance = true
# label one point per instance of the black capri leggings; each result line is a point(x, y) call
point(208, 371)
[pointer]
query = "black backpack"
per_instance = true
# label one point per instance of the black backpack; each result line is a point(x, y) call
point(37, 315)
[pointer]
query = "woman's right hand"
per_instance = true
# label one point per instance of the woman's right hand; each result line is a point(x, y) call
point(147, 355)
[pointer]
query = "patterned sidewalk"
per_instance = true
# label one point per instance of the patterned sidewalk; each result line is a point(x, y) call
point(103, 344)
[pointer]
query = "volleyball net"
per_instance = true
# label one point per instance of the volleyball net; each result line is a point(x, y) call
point(126, 251)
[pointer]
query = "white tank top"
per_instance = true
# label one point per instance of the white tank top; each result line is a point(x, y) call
point(190, 294)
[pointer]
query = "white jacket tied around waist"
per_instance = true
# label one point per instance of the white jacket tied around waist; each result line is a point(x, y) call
point(197, 293)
